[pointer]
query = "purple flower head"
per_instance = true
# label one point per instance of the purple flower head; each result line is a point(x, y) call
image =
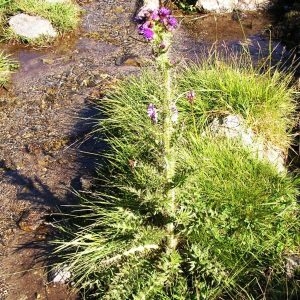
point(164, 12)
point(152, 113)
point(191, 96)
point(144, 25)
point(172, 23)
point(148, 34)
point(155, 21)
point(146, 31)
point(174, 113)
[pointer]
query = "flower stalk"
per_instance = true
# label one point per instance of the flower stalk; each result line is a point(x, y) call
point(169, 157)
point(156, 27)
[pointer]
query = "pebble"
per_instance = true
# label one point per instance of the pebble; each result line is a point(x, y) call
point(129, 61)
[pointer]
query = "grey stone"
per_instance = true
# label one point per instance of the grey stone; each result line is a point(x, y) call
point(229, 5)
point(233, 127)
point(31, 27)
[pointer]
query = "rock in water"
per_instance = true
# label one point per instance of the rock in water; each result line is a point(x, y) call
point(230, 5)
point(31, 27)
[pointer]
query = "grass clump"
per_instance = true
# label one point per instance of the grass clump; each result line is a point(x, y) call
point(7, 66)
point(178, 214)
point(265, 101)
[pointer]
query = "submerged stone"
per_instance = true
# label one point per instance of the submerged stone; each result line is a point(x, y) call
point(129, 60)
point(31, 27)
point(230, 5)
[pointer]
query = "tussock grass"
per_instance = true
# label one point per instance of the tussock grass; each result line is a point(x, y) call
point(263, 99)
point(232, 216)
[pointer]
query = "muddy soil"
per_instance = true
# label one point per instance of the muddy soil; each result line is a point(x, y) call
point(46, 116)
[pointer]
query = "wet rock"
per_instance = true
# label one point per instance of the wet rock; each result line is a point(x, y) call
point(129, 61)
point(34, 148)
point(288, 26)
point(47, 61)
point(86, 182)
point(55, 145)
point(230, 5)
point(31, 220)
point(233, 127)
point(31, 27)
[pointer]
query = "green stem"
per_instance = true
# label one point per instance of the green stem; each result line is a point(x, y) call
point(194, 120)
point(164, 65)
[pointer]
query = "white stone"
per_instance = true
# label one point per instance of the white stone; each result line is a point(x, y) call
point(151, 4)
point(275, 157)
point(31, 27)
point(148, 5)
point(61, 275)
point(233, 127)
point(229, 5)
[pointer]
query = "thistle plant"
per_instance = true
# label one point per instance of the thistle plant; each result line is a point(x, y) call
point(156, 27)
point(175, 213)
